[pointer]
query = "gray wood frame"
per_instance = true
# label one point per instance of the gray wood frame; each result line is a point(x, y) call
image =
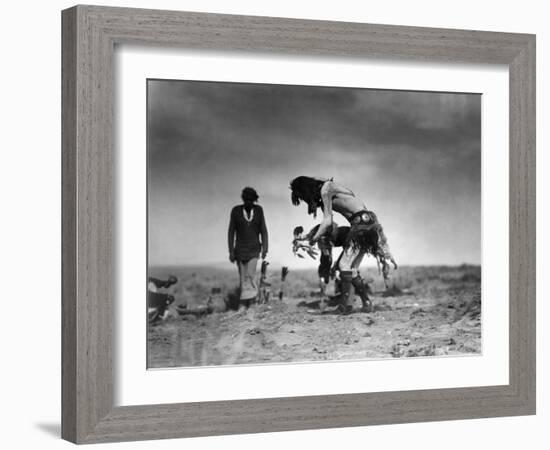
point(89, 36)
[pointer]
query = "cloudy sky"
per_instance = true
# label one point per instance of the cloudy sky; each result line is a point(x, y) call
point(413, 157)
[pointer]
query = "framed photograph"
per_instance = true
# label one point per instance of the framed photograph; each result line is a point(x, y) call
point(268, 222)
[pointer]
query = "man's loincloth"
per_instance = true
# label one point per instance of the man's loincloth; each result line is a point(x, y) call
point(364, 233)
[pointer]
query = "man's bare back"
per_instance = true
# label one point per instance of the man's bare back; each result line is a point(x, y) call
point(340, 199)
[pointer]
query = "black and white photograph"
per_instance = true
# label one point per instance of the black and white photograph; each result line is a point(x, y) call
point(290, 224)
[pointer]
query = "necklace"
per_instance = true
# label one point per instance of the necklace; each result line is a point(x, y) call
point(248, 219)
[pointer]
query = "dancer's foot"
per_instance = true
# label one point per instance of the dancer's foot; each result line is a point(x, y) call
point(344, 309)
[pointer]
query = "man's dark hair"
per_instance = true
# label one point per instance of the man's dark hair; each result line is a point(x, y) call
point(250, 194)
point(308, 190)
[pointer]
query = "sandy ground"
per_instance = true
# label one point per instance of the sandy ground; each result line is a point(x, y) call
point(429, 311)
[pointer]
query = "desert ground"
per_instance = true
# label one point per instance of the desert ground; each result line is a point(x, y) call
point(427, 311)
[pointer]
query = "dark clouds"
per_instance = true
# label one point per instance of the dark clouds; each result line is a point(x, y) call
point(412, 156)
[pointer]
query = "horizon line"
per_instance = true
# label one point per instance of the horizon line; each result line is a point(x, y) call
point(229, 265)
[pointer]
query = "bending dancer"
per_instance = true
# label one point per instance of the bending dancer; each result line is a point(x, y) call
point(365, 235)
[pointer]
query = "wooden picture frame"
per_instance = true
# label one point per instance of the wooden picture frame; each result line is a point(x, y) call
point(89, 37)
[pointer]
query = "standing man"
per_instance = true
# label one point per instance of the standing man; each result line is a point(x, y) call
point(365, 234)
point(247, 239)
